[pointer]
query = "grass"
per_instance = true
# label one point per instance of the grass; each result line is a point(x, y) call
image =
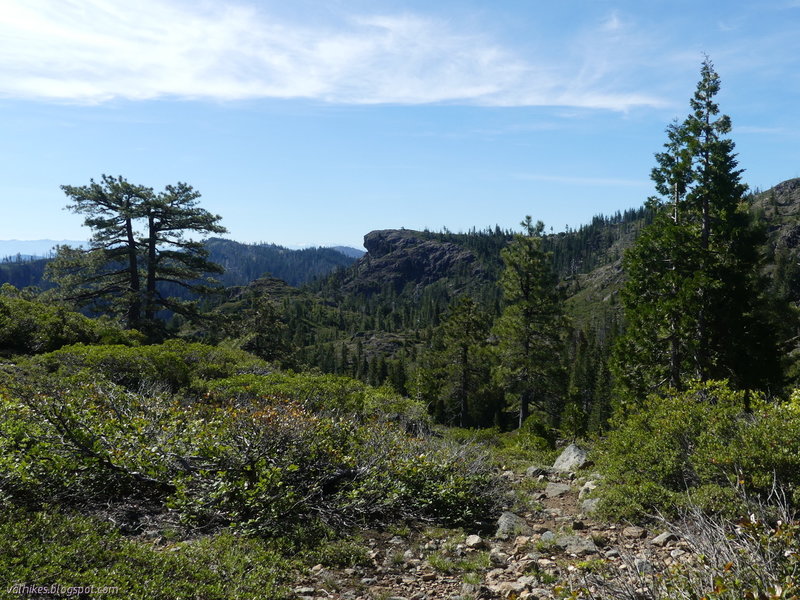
point(472, 563)
point(397, 558)
point(544, 546)
point(341, 553)
point(398, 529)
point(594, 565)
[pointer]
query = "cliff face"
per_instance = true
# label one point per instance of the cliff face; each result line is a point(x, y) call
point(780, 209)
point(397, 258)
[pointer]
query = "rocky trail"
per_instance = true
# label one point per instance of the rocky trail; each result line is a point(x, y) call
point(535, 554)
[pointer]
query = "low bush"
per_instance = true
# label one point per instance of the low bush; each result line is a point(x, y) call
point(329, 394)
point(28, 326)
point(174, 365)
point(756, 557)
point(699, 446)
point(518, 449)
point(70, 551)
point(259, 467)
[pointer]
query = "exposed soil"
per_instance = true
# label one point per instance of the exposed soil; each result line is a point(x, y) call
point(555, 548)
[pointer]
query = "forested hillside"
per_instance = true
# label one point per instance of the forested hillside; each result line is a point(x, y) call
point(242, 263)
point(245, 262)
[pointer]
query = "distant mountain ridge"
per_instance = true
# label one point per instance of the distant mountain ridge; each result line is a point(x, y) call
point(247, 262)
point(30, 249)
point(349, 251)
point(242, 262)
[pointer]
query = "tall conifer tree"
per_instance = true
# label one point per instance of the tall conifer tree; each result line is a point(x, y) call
point(466, 330)
point(531, 328)
point(693, 297)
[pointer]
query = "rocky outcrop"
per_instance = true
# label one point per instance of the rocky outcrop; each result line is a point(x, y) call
point(397, 258)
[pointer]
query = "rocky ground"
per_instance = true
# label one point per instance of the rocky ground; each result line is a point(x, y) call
point(543, 552)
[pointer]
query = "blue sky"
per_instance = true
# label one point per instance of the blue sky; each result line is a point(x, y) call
point(315, 122)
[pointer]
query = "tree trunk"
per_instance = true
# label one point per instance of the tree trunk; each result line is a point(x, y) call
point(150, 310)
point(134, 287)
point(524, 407)
point(463, 385)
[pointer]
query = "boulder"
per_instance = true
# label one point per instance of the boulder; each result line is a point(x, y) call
point(511, 525)
point(662, 539)
point(590, 505)
point(555, 490)
point(577, 545)
point(572, 458)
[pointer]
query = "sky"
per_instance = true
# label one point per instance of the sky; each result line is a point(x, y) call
point(313, 122)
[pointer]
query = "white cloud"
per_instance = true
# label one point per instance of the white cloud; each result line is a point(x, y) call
point(612, 23)
point(97, 50)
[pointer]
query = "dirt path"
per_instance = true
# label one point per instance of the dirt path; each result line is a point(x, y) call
point(553, 544)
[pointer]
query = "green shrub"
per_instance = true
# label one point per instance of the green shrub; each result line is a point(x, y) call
point(173, 365)
point(341, 553)
point(28, 326)
point(77, 442)
point(258, 467)
point(316, 392)
point(487, 437)
point(51, 548)
point(697, 446)
point(330, 394)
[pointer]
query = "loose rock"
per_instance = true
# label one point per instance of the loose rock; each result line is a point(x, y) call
point(634, 533)
point(536, 471)
point(587, 488)
point(555, 490)
point(510, 524)
point(590, 505)
point(574, 544)
point(643, 566)
point(572, 458)
point(662, 539)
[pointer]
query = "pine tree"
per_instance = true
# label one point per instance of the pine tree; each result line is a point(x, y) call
point(137, 242)
point(170, 256)
point(466, 330)
point(532, 326)
point(693, 302)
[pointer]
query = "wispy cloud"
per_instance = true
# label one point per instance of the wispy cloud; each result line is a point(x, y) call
point(97, 50)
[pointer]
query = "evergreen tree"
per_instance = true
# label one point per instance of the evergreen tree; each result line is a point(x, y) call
point(261, 330)
point(532, 326)
point(692, 299)
point(108, 273)
point(137, 242)
point(466, 331)
point(170, 256)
